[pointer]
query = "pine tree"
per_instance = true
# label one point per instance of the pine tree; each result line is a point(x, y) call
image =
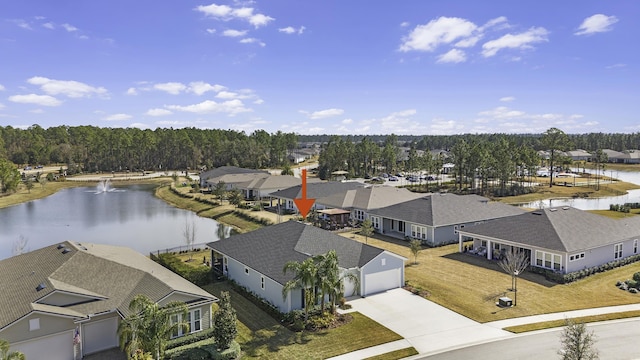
point(577, 342)
point(224, 322)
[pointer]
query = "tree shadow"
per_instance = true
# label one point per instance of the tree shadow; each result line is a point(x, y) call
point(482, 262)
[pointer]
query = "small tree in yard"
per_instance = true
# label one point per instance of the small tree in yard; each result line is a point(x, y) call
point(29, 185)
point(366, 229)
point(5, 354)
point(189, 234)
point(514, 263)
point(224, 322)
point(415, 245)
point(577, 342)
point(235, 197)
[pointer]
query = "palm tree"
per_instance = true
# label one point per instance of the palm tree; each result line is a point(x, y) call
point(304, 278)
point(337, 288)
point(6, 355)
point(150, 325)
point(327, 274)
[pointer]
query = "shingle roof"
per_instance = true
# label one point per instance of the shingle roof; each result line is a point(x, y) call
point(268, 249)
point(113, 275)
point(447, 209)
point(317, 191)
point(564, 229)
point(225, 170)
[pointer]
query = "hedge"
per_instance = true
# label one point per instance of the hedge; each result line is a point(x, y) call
point(577, 275)
point(200, 276)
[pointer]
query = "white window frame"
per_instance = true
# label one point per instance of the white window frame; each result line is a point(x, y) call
point(34, 324)
point(384, 261)
point(418, 232)
point(617, 251)
point(635, 246)
point(548, 260)
point(195, 323)
point(576, 257)
point(262, 282)
point(375, 221)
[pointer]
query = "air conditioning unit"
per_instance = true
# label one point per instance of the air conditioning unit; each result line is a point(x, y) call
point(505, 302)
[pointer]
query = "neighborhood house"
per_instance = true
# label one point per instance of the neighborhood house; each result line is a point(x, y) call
point(561, 239)
point(65, 301)
point(255, 260)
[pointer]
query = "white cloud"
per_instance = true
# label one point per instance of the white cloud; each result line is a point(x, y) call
point(132, 91)
point(515, 41)
point(117, 117)
point(211, 31)
point(507, 99)
point(616, 66)
point(2, 88)
point(36, 111)
point(452, 56)
point(292, 30)
point(42, 100)
point(595, 24)
point(468, 42)
point(445, 127)
point(201, 87)
point(500, 20)
point(404, 24)
point(443, 30)
point(251, 41)
point(2, 106)
point(227, 95)
point(502, 112)
point(70, 88)
point(23, 24)
point(322, 114)
point(234, 33)
point(158, 112)
point(69, 27)
point(49, 25)
point(231, 107)
point(258, 102)
point(173, 88)
point(225, 12)
point(141, 126)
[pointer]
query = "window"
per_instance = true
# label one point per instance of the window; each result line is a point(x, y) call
point(418, 232)
point(549, 260)
point(617, 251)
point(455, 229)
point(635, 246)
point(576, 257)
point(376, 222)
point(262, 282)
point(400, 225)
point(34, 324)
point(194, 319)
point(384, 261)
point(496, 246)
point(246, 270)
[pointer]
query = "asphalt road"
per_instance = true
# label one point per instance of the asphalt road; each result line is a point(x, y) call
point(617, 340)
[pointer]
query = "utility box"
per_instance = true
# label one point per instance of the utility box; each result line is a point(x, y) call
point(505, 302)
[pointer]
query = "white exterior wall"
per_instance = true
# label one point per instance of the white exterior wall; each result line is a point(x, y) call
point(600, 255)
point(382, 263)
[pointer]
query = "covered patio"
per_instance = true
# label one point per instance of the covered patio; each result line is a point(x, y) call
point(332, 219)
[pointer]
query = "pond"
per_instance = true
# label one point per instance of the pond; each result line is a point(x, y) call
point(126, 216)
point(595, 203)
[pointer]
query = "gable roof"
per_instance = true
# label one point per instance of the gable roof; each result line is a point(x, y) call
point(369, 197)
point(268, 249)
point(564, 229)
point(447, 209)
point(318, 190)
point(229, 170)
point(90, 272)
point(271, 182)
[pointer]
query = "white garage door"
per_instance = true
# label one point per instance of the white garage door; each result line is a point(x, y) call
point(381, 281)
point(100, 335)
point(54, 347)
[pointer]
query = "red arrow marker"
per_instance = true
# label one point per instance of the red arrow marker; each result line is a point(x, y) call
point(304, 204)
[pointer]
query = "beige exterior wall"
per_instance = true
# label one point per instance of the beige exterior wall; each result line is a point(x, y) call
point(19, 331)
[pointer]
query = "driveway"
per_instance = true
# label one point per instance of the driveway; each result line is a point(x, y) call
point(429, 327)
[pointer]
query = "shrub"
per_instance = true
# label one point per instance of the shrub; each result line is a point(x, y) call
point(197, 275)
point(189, 339)
point(632, 283)
point(636, 277)
point(633, 290)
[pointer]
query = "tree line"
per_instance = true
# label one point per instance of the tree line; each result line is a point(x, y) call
point(118, 149)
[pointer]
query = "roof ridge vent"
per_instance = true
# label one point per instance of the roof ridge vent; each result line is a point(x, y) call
point(552, 210)
point(66, 251)
point(60, 246)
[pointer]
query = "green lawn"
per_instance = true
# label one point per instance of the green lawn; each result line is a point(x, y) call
point(584, 319)
point(261, 336)
point(470, 285)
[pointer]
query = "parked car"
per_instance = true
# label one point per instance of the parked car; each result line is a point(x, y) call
point(413, 179)
point(385, 175)
point(393, 178)
point(27, 167)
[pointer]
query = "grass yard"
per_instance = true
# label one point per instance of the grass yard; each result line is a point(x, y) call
point(471, 285)
point(583, 319)
point(262, 337)
point(557, 191)
point(394, 355)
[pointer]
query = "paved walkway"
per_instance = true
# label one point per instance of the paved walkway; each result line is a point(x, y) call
point(501, 324)
point(431, 328)
point(425, 325)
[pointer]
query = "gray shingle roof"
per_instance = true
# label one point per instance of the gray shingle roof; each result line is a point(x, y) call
point(317, 191)
point(226, 170)
point(113, 275)
point(564, 229)
point(447, 209)
point(268, 249)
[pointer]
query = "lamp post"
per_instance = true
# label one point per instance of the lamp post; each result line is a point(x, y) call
point(515, 288)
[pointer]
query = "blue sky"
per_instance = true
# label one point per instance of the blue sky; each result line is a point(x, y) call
point(322, 67)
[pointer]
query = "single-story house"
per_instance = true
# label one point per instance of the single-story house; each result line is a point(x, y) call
point(361, 200)
point(436, 218)
point(614, 156)
point(563, 239)
point(256, 259)
point(316, 190)
point(214, 176)
point(578, 155)
point(66, 300)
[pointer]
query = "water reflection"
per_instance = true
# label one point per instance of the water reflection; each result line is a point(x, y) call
point(129, 216)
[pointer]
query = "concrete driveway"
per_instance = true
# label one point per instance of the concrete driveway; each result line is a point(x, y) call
point(429, 328)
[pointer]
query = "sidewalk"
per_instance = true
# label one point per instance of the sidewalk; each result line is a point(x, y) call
point(501, 324)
